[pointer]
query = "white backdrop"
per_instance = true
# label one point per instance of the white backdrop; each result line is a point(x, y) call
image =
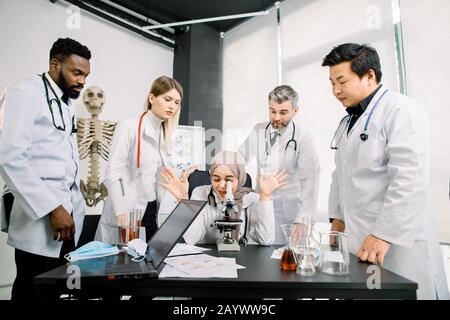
point(427, 45)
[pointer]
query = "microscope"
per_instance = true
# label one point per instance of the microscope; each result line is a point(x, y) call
point(227, 224)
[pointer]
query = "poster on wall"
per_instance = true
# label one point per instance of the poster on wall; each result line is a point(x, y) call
point(188, 148)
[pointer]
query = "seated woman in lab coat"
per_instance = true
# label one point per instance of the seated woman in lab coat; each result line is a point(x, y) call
point(254, 207)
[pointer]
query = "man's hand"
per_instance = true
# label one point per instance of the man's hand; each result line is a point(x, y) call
point(62, 224)
point(337, 225)
point(373, 250)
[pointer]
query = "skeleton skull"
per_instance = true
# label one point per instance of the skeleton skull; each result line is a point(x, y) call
point(94, 99)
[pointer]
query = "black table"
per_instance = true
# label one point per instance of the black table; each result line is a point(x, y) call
point(261, 278)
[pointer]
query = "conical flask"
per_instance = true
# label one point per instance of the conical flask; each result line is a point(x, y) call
point(305, 250)
point(288, 260)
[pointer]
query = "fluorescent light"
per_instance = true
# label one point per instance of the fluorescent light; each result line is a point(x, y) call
point(182, 23)
point(130, 24)
point(135, 14)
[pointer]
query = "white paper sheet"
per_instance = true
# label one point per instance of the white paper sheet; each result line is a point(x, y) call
point(202, 266)
point(170, 272)
point(183, 249)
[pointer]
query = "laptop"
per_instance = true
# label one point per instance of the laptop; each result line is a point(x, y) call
point(159, 246)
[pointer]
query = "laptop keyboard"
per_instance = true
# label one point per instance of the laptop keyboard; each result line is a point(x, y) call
point(124, 268)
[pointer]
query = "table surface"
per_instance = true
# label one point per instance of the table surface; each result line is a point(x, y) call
point(262, 278)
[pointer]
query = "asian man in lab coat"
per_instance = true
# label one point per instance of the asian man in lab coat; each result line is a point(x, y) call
point(380, 187)
point(40, 166)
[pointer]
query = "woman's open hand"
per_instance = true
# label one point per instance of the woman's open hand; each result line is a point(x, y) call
point(179, 187)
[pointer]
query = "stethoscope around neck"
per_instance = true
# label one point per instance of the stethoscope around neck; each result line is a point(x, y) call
point(58, 103)
point(364, 136)
point(267, 148)
point(138, 161)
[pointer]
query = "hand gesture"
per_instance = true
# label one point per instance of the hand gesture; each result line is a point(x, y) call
point(267, 185)
point(179, 187)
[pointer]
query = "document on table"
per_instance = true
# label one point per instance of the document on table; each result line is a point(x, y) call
point(200, 266)
point(170, 272)
point(184, 248)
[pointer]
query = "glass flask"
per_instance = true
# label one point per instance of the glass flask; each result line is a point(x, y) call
point(307, 248)
point(288, 260)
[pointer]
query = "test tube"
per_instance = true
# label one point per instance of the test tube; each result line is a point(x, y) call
point(123, 235)
point(132, 225)
point(139, 218)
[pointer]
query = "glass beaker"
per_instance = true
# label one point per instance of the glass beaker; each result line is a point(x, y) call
point(306, 247)
point(288, 260)
point(335, 256)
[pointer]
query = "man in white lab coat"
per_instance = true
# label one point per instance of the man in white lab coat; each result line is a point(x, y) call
point(379, 191)
point(40, 166)
point(281, 144)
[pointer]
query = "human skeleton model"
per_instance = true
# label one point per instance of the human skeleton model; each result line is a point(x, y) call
point(94, 141)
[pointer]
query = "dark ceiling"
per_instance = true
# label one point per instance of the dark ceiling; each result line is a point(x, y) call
point(166, 11)
point(135, 14)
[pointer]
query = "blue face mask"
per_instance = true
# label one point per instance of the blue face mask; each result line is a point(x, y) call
point(93, 249)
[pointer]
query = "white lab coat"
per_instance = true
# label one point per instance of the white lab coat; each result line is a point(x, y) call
point(380, 187)
point(40, 166)
point(260, 214)
point(122, 174)
point(299, 197)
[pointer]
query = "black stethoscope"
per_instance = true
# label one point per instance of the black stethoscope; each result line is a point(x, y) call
point(58, 102)
point(364, 136)
point(287, 144)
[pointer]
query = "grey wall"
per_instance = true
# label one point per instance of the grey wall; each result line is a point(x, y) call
point(198, 67)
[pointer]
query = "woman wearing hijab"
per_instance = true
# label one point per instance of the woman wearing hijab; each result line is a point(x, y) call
point(256, 208)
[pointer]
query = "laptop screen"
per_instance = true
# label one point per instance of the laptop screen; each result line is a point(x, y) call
point(172, 229)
